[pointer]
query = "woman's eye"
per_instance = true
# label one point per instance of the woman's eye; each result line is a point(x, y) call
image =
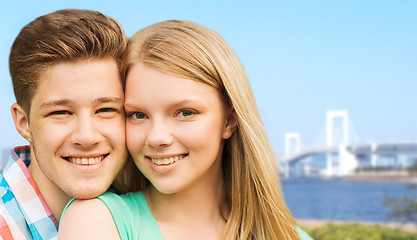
point(137, 115)
point(186, 113)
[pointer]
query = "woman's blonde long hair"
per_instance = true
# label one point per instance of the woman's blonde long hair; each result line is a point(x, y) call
point(252, 189)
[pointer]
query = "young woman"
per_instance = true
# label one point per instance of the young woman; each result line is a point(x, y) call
point(207, 170)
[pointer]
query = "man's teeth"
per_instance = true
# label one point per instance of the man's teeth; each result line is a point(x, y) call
point(166, 161)
point(86, 161)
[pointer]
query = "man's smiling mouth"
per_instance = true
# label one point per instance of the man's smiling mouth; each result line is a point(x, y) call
point(86, 160)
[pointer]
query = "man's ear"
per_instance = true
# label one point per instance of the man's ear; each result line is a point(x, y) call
point(21, 121)
point(231, 124)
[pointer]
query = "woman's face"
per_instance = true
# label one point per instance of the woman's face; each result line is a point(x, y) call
point(175, 129)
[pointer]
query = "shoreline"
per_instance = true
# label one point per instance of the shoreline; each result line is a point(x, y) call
point(312, 223)
point(402, 177)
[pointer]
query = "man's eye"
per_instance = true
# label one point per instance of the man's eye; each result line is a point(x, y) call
point(137, 115)
point(105, 110)
point(60, 112)
point(108, 112)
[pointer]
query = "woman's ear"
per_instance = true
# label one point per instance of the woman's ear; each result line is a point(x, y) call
point(231, 124)
point(21, 121)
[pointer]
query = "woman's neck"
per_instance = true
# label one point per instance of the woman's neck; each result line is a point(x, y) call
point(198, 210)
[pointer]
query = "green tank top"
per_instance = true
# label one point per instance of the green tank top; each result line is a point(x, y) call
point(132, 215)
point(134, 219)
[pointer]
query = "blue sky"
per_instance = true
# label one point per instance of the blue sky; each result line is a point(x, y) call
point(302, 58)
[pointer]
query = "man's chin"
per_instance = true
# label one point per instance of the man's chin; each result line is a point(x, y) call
point(88, 194)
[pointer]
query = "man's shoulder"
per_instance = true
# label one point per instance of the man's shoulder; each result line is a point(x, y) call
point(22, 212)
point(23, 220)
point(4, 187)
point(6, 193)
point(11, 178)
point(12, 220)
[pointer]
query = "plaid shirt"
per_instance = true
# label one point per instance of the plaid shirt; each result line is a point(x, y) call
point(24, 213)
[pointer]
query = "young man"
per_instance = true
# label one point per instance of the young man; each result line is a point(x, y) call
point(69, 93)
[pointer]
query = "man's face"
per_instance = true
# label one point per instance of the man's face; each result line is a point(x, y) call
point(77, 127)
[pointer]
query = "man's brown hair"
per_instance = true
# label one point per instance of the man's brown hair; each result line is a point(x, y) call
point(62, 36)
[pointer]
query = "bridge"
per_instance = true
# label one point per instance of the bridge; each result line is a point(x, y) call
point(342, 157)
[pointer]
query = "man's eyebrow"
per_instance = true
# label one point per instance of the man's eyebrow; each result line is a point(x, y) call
point(60, 102)
point(109, 99)
point(64, 102)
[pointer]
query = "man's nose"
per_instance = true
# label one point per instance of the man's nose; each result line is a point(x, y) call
point(86, 133)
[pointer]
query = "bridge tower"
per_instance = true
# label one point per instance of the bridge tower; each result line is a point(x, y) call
point(292, 145)
point(330, 138)
point(290, 139)
point(331, 116)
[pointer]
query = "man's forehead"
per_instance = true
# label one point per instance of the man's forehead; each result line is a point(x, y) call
point(92, 81)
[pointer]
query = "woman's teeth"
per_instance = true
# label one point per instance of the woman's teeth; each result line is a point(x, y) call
point(86, 161)
point(166, 161)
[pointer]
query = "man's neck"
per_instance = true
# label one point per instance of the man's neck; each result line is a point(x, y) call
point(55, 198)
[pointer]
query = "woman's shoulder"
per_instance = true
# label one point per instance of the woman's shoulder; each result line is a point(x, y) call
point(132, 215)
point(303, 234)
point(83, 217)
point(126, 208)
point(77, 207)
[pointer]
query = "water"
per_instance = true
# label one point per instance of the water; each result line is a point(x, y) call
point(314, 198)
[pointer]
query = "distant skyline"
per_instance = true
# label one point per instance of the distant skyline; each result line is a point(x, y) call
point(302, 58)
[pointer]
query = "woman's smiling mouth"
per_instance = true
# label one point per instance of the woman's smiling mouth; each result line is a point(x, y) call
point(167, 160)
